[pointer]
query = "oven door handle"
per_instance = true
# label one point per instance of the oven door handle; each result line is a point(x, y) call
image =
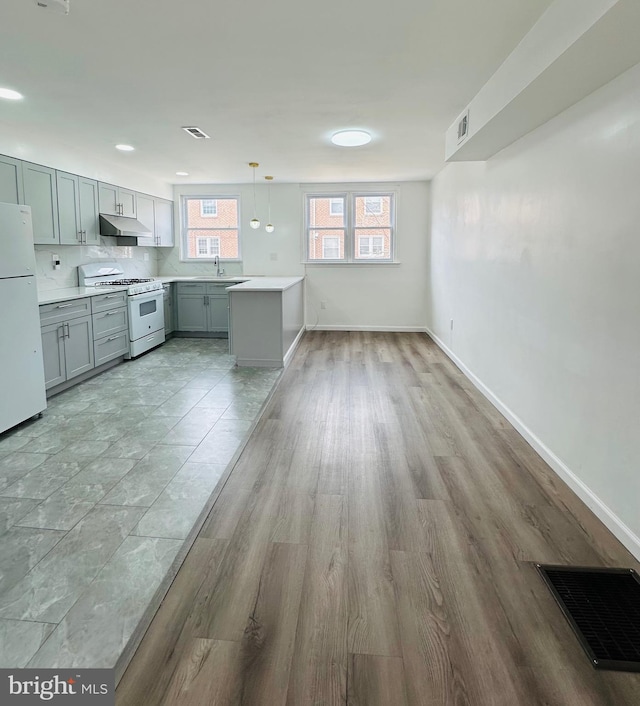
point(146, 296)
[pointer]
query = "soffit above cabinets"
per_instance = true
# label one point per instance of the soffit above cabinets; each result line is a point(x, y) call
point(575, 48)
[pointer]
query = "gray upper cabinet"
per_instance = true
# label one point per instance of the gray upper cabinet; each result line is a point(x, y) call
point(88, 191)
point(117, 201)
point(69, 209)
point(10, 180)
point(77, 209)
point(146, 216)
point(108, 199)
point(164, 223)
point(40, 192)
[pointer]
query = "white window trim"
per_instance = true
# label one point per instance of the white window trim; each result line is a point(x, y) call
point(209, 215)
point(350, 246)
point(184, 231)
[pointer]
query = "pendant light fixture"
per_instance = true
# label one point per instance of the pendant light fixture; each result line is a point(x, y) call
point(269, 227)
point(254, 222)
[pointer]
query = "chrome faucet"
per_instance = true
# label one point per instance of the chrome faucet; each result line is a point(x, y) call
point(219, 270)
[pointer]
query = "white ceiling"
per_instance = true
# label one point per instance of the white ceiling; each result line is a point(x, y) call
point(269, 81)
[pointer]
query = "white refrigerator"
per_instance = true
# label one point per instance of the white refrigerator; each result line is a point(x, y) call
point(22, 389)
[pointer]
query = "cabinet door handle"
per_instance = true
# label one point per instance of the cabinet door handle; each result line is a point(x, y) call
point(63, 306)
point(110, 313)
point(68, 331)
point(111, 296)
point(63, 333)
point(113, 338)
point(80, 236)
point(84, 234)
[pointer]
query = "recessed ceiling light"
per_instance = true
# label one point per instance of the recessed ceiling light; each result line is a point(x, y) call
point(125, 148)
point(351, 138)
point(10, 94)
point(182, 173)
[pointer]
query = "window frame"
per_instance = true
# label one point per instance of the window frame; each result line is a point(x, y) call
point(184, 229)
point(351, 247)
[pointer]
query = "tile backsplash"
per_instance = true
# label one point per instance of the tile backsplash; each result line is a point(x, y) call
point(135, 261)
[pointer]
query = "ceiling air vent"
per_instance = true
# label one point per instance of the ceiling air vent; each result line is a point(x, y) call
point(196, 132)
point(61, 6)
point(463, 127)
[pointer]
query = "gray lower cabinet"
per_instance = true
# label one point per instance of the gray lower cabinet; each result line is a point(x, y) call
point(82, 334)
point(202, 308)
point(77, 209)
point(67, 349)
point(110, 326)
point(11, 180)
point(169, 309)
point(40, 192)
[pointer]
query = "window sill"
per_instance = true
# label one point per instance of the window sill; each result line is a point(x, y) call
point(337, 263)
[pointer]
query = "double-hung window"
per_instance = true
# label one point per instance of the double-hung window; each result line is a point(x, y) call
point(203, 239)
point(350, 227)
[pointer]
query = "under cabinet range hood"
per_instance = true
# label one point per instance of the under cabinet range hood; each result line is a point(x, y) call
point(122, 226)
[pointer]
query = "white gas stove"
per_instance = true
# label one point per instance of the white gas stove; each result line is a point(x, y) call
point(110, 274)
point(145, 303)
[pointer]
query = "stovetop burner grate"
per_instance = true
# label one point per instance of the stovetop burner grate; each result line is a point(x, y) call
point(122, 282)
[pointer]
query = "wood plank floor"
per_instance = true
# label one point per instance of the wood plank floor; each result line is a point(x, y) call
point(374, 545)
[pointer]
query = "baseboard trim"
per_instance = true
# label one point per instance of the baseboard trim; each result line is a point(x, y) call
point(292, 348)
point(390, 329)
point(602, 511)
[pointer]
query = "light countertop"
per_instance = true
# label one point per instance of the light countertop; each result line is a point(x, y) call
point(241, 283)
point(60, 295)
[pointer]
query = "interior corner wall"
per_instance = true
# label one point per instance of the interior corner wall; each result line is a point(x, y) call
point(377, 297)
point(535, 258)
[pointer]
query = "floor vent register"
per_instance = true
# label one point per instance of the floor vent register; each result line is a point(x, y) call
point(603, 608)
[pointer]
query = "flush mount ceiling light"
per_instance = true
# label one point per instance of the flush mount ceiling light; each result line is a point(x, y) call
point(196, 132)
point(182, 173)
point(254, 222)
point(269, 227)
point(350, 138)
point(125, 148)
point(10, 94)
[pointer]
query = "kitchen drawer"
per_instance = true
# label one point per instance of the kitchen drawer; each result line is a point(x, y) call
point(110, 300)
point(220, 289)
point(109, 322)
point(110, 347)
point(191, 287)
point(63, 311)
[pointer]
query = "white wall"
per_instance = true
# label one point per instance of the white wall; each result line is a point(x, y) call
point(356, 296)
point(45, 149)
point(135, 262)
point(535, 255)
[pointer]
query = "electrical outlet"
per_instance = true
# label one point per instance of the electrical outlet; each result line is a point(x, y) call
point(323, 305)
point(145, 257)
point(273, 256)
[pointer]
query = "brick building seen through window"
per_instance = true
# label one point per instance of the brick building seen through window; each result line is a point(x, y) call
point(350, 227)
point(210, 227)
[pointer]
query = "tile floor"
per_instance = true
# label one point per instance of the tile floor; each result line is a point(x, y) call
point(99, 496)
